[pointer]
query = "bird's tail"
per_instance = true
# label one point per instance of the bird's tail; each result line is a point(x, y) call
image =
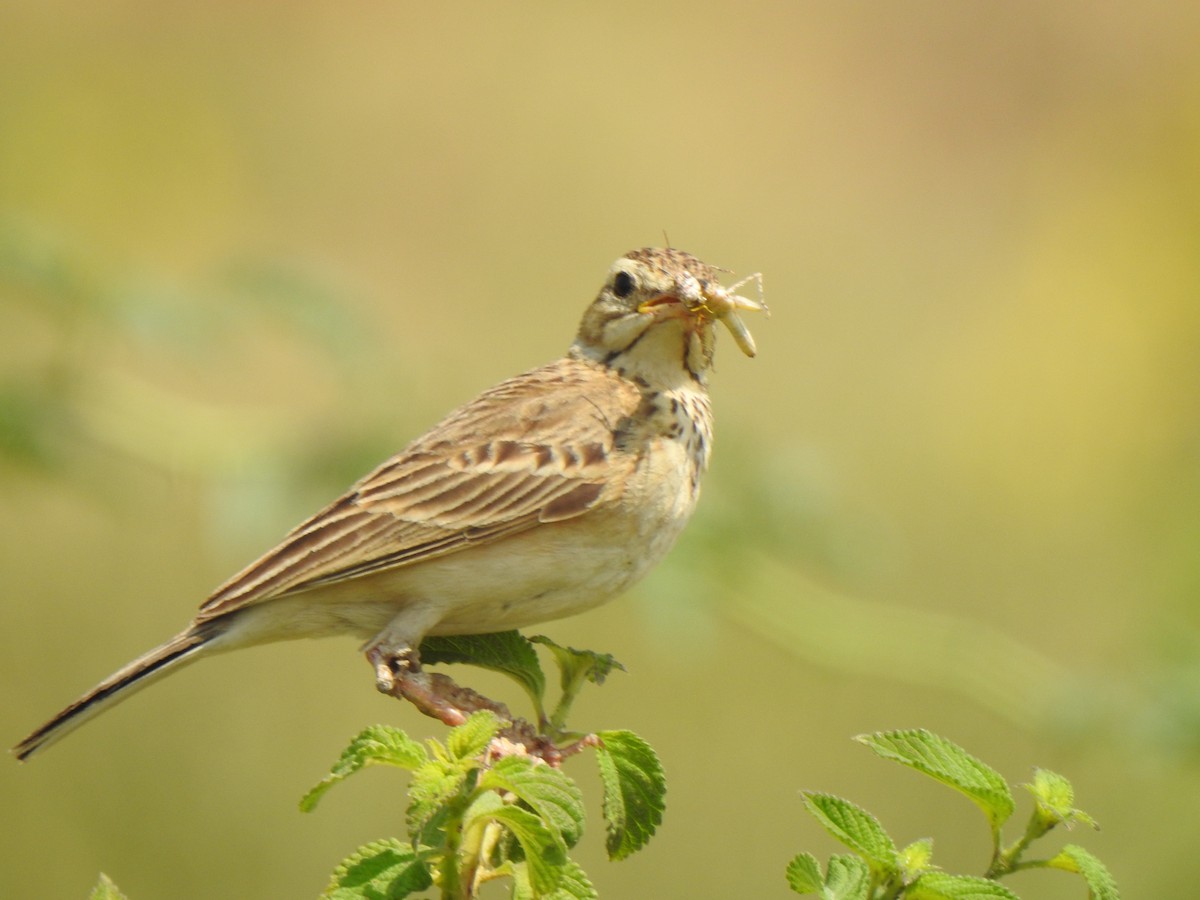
point(147, 668)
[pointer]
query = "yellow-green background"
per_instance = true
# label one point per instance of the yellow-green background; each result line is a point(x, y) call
point(248, 249)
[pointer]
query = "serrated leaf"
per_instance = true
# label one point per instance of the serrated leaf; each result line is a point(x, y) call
point(950, 764)
point(472, 737)
point(105, 889)
point(1055, 799)
point(854, 827)
point(916, 858)
point(1073, 858)
point(574, 664)
point(545, 853)
point(848, 878)
point(574, 885)
point(382, 870)
point(804, 874)
point(634, 791)
point(550, 792)
point(940, 886)
point(507, 652)
point(379, 744)
point(1052, 790)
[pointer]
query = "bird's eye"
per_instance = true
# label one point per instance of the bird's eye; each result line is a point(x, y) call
point(623, 284)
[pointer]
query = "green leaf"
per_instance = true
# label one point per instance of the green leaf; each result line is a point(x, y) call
point(1073, 858)
point(380, 744)
point(105, 890)
point(573, 884)
point(950, 764)
point(435, 786)
point(1055, 799)
point(634, 791)
point(478, 814)
point(940, 886)
point(848, 878)
point(854, 827)
point(575, 664)
point(916, 858)
point(547, 790)
point(507, 652)
point(575, 668)
point(382, 870)
point(545, 853)
point(804, 874)
point(472, 737)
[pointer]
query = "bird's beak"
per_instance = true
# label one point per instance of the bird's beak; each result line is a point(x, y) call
point(662, 300)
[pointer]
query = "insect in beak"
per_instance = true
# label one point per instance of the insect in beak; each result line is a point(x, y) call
point(723, 304)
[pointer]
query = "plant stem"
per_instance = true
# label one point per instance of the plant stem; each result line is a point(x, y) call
point(558, 718)
point(453, 885)
point(470, 859)
point(1009, 859)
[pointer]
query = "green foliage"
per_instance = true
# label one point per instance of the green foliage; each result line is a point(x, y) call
point(940, 886)
point(577, 667)
point(491, 801)
point(950, 764)
point(381, 869)
point(377, 744)
point(1073, 858)
point(854, 827)
point(634, 788)
point(572, 885)
point(848, 877)
point(1055, 800)
point(877, 871)
point(546, 790)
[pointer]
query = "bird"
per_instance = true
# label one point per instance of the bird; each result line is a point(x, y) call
point(547, 495)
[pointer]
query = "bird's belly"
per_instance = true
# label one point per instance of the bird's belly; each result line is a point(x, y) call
point(544, 574)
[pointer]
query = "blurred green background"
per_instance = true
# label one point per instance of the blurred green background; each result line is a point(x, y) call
point(248, 250)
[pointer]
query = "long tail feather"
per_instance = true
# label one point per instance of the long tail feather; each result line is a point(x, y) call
point(144, 670)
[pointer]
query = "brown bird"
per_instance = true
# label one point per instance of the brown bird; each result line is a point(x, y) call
point(548, 494)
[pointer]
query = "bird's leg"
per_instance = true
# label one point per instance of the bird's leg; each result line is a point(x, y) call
point(398, 673)
point(393, 652)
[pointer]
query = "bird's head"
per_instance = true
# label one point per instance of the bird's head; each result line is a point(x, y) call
point(654, 316)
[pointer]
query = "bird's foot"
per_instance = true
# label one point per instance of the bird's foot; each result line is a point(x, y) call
point(436, 695)
point(388, 664)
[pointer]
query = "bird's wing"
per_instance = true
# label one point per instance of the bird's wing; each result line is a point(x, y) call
point(535, 449)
